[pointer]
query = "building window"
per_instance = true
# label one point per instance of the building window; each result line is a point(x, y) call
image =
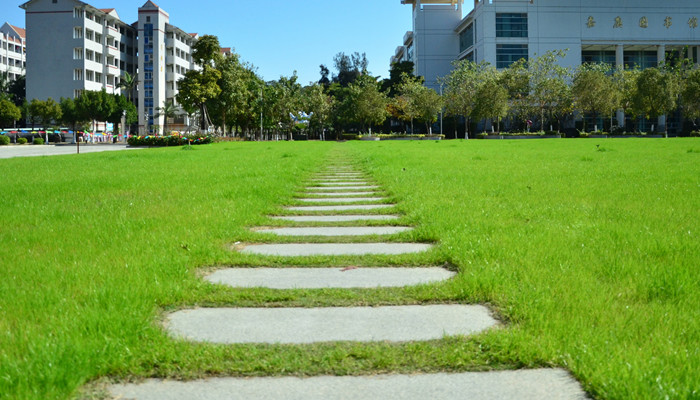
point(507, 54)
point(98, 77)
point(77, 13)
point(77, 93)
point(511, 25)
point(78, 53)
point(77, 74)
point(77, 32)
point(640, 59)
point(599, 57)
point(89, 75)
point(89, 55)
point(466, 38)
point(98, 58)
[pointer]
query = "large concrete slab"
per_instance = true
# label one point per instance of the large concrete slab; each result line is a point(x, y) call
point(327, 188)
point(317, 278)
point(537, 384)
point(340, 207)
point(336, 218)
point(332, 324)
point(342, 200)
point(334, 249)
point(336, 230)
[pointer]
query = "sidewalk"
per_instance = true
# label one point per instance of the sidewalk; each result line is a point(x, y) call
point(12, 151)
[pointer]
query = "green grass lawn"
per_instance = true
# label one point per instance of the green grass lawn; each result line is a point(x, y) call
point(588, 250)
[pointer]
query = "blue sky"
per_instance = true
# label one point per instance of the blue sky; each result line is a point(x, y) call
point(280, 36)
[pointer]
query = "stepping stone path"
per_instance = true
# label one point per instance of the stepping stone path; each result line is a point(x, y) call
point(342, 189)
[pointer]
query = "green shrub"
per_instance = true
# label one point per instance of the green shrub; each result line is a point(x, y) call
point(38, 141)
point(161, 141)
point(4, 140)
point(22, 140)
point(695, 134)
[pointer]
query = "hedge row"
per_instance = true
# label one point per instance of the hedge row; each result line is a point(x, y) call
point(161, 141)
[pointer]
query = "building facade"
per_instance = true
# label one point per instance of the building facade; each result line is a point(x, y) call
point(621, 32)
point(73, 46)
point(13, 51)
point(166, 56)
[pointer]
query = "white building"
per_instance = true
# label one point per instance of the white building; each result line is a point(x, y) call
point(73, 46)
point(12, 51)
point(166, 56)
point(621, 32)
point(624, 33)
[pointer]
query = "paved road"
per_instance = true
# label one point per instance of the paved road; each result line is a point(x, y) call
point(52, 150)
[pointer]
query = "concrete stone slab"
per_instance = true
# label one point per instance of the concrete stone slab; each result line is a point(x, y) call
point(332, 324)
point(342, 200)
point(340, 207)
point(334, 249)
point(336, 230)
point(323, 188)
point(536, 384)
point(342, 183)
point(317, 278)
point(336, 218)
point(340, 194)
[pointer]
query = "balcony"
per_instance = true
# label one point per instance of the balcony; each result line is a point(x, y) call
point(408, 38)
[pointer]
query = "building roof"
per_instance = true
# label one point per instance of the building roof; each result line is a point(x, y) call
point(150, 4)
point(20, 31)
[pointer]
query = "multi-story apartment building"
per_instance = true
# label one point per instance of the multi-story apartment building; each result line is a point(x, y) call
point(73, 46)
point(166, 56)
point(12, 51)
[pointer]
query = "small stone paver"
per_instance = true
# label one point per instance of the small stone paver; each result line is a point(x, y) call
point(336, 218)
point(342, 200)
point(322, 188)
point(536, 384)
point(339, 207)
point(342, 183)
point(338, 194)
point(331, 324)
point(317, 278)
point(334, 249)
point(336, 230)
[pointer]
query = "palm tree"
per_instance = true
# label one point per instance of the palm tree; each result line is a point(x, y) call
point(128, 83)
point(169, 110)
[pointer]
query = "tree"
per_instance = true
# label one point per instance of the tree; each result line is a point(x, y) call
point(123, 106)
point(95, 106)
point(657, 93)
point(316, 101)
point(128, 84)
point(548, 82)
point(9, 113)
point(491, 98)
point(419, 102)
point(197, 87)
point(169, 110)
point(461, 87)
point(70, 116)
point(690, 95)
point(625, 82)
point(367, 103)
point(398, 73)
point(349, 68)
point(594, 92)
